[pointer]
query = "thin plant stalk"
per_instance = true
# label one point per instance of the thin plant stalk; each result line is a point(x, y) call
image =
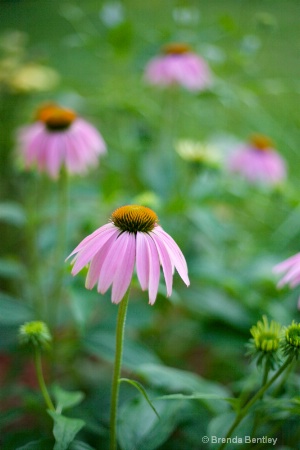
point(60, 249)
point(41, 381)
point(117, 369)
point(257, 396)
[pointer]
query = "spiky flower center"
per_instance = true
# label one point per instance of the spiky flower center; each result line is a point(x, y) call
point(176, 49)
point(55, 117)
point(261, 142)
point(292, 335)
point(134, 218)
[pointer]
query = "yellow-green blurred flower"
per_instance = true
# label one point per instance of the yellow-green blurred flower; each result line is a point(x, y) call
point(198, 152)
point(34, 77)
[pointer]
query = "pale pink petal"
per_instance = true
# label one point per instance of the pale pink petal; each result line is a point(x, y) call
point(154, 269)
point(175, 254)
point(92, 248)
point(287, 263)
point(142, 260)
point(165, 261)
point(92, 236)
point(112, 261)
point(124, 270)
point(97, 261)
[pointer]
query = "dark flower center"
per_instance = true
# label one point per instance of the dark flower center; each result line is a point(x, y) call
point(176, 49)
point(134, 218)
point(56, 118)
point(261, 142)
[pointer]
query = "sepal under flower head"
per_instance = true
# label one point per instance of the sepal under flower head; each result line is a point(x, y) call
point(35, 334)
point(291, 343)
point(265, 344)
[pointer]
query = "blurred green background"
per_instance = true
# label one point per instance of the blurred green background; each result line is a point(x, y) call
point(232, 234)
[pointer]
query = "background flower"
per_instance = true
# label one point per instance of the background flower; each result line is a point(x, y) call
point(60, 138)
point(258, 162)
point(179, 65)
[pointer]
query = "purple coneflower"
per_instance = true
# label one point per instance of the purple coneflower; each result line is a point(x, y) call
point(59, 138)
point(179, 66)
point(132, 237)
point(258, 162)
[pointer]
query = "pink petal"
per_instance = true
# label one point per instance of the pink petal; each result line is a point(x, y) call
point(175, 253)
point(97, 262)
point(112, 261)
point(124, 271)
point(287, 263)
point(165, 261)
point(89, 251)
point(154, 269)
point(142, 260)
point(87, 239)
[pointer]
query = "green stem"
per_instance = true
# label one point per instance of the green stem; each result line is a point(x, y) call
point(244, 411)
point(266, 372)
point(60, 250)
point(117, 370)
point(40, 377)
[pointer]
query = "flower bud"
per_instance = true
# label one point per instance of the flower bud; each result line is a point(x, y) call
point(291, 345)
point(266, 341)
point(35, 334)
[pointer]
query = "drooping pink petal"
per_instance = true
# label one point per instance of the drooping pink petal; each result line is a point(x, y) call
point(113, 260)
point(85, 255)
point(154, 269)
point(123, 274)
point(287, 263)
point(175, 254)
point(97, 261)
point(142, 260)
point(165, 261)
point(90, 237)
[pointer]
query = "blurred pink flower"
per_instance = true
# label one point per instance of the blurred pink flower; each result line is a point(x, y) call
point(180, 66)
point(132, 237)
point(291, 268)
point(258, 162)
point(58, 137)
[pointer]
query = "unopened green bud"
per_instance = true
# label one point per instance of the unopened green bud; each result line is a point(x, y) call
point(291, 345)
point(35, 334)
point(266, 341)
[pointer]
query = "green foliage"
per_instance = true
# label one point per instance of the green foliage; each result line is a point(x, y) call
point(64, 430)
point(187, 353)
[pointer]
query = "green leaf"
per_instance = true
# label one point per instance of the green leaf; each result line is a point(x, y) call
point(64, 430)
point(11, 269)
point(195, 396)
point(142, 390)
point(138, 428)
point(79, 445)
point(13, 311)
point(12, 213)
point(45, 444)
point(65, 399)
point(175, 380)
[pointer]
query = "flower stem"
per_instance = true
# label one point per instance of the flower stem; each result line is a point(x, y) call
point(243, 412)
point(60, 250)
point(117, 370)
point(40, 377)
